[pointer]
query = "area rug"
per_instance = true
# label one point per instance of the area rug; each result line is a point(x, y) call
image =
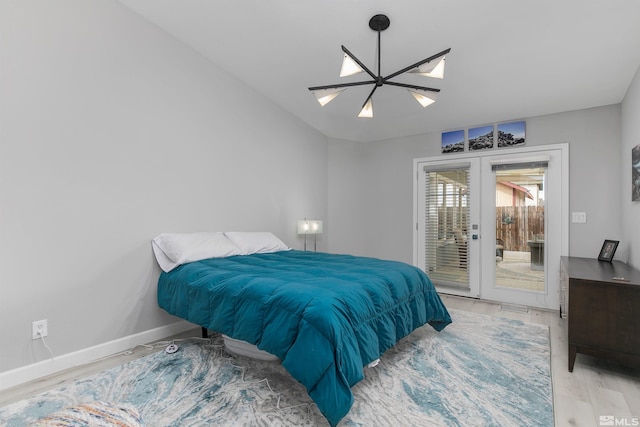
point(480, 371)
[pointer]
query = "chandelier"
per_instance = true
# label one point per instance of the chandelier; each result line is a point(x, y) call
point(432, 66)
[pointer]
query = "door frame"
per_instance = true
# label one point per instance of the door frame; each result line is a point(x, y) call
point(552, 273)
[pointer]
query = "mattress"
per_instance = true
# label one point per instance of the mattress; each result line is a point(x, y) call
point(243, 348)
point(325, 316)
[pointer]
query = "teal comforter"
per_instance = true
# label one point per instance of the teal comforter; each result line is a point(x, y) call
point(325, 316)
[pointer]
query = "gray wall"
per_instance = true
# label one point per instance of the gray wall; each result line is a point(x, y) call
point(112, 132)
point(348, 191)
point(630, 138)
point(386, 198)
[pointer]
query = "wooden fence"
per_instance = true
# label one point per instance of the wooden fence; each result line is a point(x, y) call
point(515, 225)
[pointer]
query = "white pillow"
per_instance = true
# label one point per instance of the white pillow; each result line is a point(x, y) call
point(256, 242)
point(174, 249)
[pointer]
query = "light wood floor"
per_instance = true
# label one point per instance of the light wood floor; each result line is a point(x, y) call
point(595, 388)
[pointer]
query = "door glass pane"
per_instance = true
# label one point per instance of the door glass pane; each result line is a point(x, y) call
point(447, 226)
point(520, 225)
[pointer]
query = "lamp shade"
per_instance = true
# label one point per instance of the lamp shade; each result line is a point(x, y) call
point(349, 67)
point(434, 68)
point(309, 226)
point(316, 227)
point(367, 109)
point(424, 97)
point(324, 96)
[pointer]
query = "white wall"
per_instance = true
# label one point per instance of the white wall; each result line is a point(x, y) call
point(630, 138)
point(112, 132)
point(386, 197)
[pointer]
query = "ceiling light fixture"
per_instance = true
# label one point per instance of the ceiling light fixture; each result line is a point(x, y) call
point(430, 67)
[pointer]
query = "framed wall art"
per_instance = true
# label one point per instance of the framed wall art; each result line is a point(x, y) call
point(453, 142)
point(511, 134)
point(635, 173)
point(481, 138)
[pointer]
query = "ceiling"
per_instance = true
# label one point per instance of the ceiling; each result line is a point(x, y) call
point(509, 59)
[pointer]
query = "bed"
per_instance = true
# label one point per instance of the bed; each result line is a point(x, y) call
point(325, 316)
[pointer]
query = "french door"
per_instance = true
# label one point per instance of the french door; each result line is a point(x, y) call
point(448, 224)
point(494, 226)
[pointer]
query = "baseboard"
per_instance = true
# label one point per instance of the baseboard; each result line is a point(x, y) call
point(37, 370)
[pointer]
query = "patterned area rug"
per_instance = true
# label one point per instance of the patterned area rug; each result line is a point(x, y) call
point(480, 371)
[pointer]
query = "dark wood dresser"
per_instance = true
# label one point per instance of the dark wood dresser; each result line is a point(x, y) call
point(601, 312)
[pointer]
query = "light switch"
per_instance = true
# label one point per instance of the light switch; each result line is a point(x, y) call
point(579, 217)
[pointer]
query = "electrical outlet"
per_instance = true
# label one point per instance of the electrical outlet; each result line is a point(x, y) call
point(38, 329)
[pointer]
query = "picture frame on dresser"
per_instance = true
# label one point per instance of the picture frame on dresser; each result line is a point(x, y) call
point(608, 250)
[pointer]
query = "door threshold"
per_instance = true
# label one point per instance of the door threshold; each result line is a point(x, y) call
point(516, 308)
